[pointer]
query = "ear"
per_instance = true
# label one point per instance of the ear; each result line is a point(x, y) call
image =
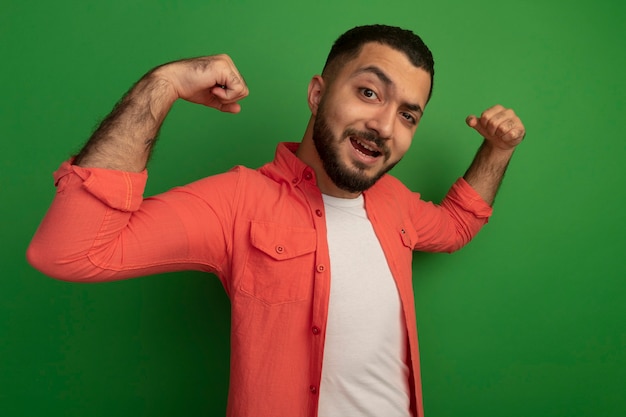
point(316, 91)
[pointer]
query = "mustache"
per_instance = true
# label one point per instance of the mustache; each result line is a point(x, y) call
point(369, 136)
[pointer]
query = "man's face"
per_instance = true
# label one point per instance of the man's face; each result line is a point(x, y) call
point(367, 116)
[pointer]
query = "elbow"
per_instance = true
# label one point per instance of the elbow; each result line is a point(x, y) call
point(458, 244)
point(40, 257)
point(45, 259)
point(463, 229)
point(462, 237)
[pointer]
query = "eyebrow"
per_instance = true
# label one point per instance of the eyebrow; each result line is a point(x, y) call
point(372, 69)
point(380, 74)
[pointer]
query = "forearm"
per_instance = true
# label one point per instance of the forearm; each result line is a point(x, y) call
point(502, 131)
point(125, 138)
point(487, 170)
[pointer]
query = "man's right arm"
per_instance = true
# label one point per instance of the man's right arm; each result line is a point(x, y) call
point(99, 227)
point(125, 138)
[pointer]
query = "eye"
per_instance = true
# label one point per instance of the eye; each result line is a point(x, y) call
point(368, 93)
point(408, 117)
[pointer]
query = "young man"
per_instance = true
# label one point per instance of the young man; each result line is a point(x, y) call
point(313, 249)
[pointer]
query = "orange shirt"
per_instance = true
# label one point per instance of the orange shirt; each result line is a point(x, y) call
point(263, 233)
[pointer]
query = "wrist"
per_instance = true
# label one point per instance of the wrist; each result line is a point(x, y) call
point(495, 152)
point(161, 83)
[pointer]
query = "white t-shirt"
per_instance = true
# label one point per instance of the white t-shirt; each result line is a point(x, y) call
point(364, 372)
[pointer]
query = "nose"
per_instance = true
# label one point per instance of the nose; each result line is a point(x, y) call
point(382, 122)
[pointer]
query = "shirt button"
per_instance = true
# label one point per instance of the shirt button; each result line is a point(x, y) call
point(280, 249)
point(308, 175)
point(315, 330)
point(318, 212)
point(321, 268)
point(295, 180)
point(313, 389)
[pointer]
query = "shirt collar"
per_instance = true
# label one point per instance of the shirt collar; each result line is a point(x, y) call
point(287, 166)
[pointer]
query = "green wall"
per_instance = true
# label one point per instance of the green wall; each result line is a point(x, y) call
point(528, 320)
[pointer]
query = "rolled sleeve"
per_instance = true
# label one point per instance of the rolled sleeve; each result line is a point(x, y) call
point(120, 190)
point(462, 194)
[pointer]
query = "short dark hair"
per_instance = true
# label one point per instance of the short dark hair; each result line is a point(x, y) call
point(349, 45)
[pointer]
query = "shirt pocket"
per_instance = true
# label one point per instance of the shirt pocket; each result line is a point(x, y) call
point(280, 265)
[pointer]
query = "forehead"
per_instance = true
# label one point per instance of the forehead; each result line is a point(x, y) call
point(404, 76)
point(379, 51)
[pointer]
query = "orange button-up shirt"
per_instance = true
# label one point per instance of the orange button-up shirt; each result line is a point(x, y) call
point(263, 233)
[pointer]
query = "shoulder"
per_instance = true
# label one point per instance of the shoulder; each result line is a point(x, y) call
point(389, 186)
point(235, 177)
point(238, 185)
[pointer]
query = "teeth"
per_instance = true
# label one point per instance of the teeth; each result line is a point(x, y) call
point(369, 148)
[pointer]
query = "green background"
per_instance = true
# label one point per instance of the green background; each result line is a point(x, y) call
point(528, 320)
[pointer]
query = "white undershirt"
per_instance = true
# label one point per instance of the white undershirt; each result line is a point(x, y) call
point(364, 371)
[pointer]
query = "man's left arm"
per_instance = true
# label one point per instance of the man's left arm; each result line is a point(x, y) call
point(502, 131)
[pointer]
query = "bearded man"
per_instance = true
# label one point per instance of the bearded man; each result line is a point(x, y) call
point(313, 249)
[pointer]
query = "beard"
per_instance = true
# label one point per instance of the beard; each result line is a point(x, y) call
point(352, 179)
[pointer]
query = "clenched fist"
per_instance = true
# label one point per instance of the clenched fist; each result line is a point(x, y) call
point(500, 126)
point(213, 81)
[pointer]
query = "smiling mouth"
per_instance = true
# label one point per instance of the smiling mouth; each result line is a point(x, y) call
point(364, 148)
